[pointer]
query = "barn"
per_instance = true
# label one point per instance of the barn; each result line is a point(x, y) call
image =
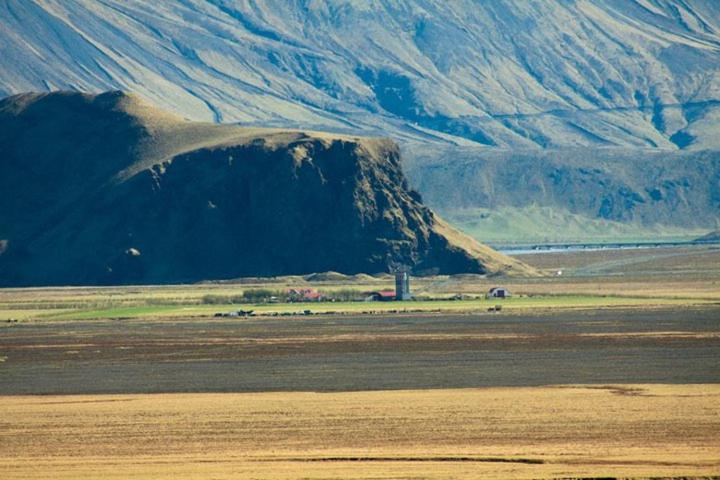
point(499, 292)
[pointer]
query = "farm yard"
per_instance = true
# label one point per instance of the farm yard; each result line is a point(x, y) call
point(610, 370)
point(593, 279)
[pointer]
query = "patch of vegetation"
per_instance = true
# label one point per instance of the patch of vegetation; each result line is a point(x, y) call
point(221, 299)
point(256, 295)
point(346, 295)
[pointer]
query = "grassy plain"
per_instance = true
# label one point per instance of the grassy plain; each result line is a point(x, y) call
point(533, 223)
point(514, 304)
point(594, 279)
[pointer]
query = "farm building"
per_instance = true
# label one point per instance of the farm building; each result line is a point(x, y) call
point(304, 295)
point(380, 296)
point(499, 292)
point(401, 292)
point(402, 285)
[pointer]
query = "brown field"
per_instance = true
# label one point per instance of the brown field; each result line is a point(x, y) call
point(694, 260)
point(355, 352)
point(542, 432)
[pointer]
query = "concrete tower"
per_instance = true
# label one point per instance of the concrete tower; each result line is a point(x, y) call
point(402, 284)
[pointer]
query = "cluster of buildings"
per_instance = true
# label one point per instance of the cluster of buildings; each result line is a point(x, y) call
point(304, 295)
point(401, 292)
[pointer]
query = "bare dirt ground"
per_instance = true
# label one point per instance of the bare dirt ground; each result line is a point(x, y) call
point(540, 432)
point(379, 352)
point(698, 261)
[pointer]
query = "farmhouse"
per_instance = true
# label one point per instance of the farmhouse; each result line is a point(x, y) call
point(499, 292)
point(304, 295)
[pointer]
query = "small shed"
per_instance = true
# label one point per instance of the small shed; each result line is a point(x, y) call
point(499, 292)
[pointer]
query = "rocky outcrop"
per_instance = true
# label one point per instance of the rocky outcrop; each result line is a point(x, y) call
point(106, 190)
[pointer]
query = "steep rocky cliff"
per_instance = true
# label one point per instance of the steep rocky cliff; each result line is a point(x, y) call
point(105, 189)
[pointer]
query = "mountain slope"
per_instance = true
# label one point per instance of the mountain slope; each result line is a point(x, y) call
point(105, 189)
point(503, 73)
point(642, 187)
point(710, 237)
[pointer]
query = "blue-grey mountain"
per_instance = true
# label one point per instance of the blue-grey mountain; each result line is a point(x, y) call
point(608, 82)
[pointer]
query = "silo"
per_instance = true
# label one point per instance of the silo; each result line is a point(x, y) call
point(402, 285)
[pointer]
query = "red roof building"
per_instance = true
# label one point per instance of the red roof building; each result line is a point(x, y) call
point(381, 296)
point(304, 295)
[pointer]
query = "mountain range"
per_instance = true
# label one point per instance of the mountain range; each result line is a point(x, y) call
point(598, 91)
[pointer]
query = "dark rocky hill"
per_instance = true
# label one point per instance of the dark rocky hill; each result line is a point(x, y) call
point(104, 189)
